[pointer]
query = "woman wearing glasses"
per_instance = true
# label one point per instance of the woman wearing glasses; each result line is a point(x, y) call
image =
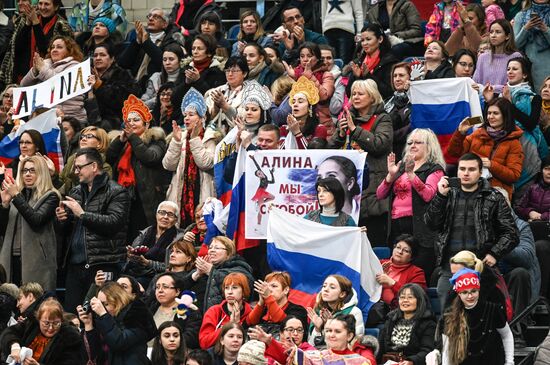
point(411, 184)
point(90, 137)
point(147, 254)
point(30, 144)
point(222, 259)
point(52, 340)
point(168, 288)
point(118, 323)
point(30, 241)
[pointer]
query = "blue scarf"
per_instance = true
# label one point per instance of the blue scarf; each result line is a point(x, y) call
point(534, 35)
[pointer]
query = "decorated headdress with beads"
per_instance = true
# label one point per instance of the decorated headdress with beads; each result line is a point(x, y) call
point(254, 93)
point(307, 87)
point(193, 100)
point(135, 105)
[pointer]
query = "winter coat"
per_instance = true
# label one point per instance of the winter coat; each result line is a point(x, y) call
point(214, 319)
point(65, 347)
point(190, 325)
point(203, 155)
point(13, 61)
point(37, 237)
point(104, 220)
point(350, 307)
point(267, 74)
point(116, 86)
point(443, 71)
point(151, 179)
point(536, 198)
point(213, 294)
point(263, 41)
point(495, 231)
point(381, 75)
point(506, 156)
point(378, 144)
point(74, 107)
point(125, 335)
point(224, 120)
point(405, 21)
point(421, 341)
point(210, 78)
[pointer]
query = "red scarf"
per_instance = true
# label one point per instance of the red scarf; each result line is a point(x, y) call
point(372, 61)
point(190, 180)
point(202, 65)
point(126, 175)
point(46, 29)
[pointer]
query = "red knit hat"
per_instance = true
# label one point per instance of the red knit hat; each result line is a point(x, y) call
point(465, 279)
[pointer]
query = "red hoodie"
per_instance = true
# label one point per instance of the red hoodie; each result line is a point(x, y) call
point(213, 321)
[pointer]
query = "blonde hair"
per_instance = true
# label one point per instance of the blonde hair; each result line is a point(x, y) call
point(281, 87)
point(116, 296)
point(101, 135)
point(433, 148)
point(259, 27)
point(368, 86)
point(31, 288)
point(43, 184)
point(227, 243)
point(468, 259)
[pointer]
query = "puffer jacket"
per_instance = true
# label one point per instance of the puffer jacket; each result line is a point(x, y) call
point(378, 144)
point(405, 21)
point(213, 294)
point(104, 221)
point(495, 230)
point(151, 178)
point(506, 156)
point(74, 107)
point(536, 198)
point(421, 341)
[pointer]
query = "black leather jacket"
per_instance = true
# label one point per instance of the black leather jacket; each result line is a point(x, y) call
point(495, 230)
point(104, 220)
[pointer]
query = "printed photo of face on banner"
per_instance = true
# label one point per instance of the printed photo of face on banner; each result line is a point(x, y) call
point(344, 170)
point(288, 180)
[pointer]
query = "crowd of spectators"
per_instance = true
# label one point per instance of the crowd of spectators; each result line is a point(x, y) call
point(105, 261)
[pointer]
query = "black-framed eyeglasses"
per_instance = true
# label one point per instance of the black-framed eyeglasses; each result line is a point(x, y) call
point(77, 168)
point(26, 142)
point(30, 170)
point(52, 324)
point(154, 17)
point(293, 330)
point(88, 136)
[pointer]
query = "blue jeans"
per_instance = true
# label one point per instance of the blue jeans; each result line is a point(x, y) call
point(343, 43)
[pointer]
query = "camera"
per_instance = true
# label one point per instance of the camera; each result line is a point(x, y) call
point(86, 307)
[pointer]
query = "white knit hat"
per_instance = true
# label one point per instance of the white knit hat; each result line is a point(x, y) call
point(252, 352)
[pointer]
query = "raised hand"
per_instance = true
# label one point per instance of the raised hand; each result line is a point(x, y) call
point(315, 319)
point(393, 168)
point(289, 70)
point(417, 70)
point(293, 124)
point(464, 126)
point(176, 131)
point(488, 92)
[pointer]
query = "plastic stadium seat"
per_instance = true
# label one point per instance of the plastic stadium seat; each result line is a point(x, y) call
point(382, 252)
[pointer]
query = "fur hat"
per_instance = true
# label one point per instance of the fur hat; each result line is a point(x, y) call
point(252, 352)
point(109, 23)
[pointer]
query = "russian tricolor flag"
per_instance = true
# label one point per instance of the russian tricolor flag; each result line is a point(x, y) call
point(312, 251)
point(224, 149)
point(441, 105)
point(46, 124)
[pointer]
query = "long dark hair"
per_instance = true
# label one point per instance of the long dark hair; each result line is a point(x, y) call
point(422, 301)
point(158, 355)
point(315, 50)
point(384, 47)
point(37, 140)
point(156, 108)
point(525, 68)
point(175, 49)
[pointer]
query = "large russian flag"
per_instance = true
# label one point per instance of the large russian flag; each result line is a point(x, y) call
point(312, 251)
point(441, 105)
point(46, 124)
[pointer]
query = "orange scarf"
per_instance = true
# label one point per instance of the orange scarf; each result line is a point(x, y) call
point(372, 61)
point(126, 175)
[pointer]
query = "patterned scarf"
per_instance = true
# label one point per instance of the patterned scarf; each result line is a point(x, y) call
point(191, 180)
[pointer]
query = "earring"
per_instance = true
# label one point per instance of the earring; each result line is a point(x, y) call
point(310, 111)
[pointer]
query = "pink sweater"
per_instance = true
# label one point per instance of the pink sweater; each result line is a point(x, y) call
point(402, 188)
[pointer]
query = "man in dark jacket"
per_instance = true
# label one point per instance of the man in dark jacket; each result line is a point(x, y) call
point(472, 216)
point(96, 213)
